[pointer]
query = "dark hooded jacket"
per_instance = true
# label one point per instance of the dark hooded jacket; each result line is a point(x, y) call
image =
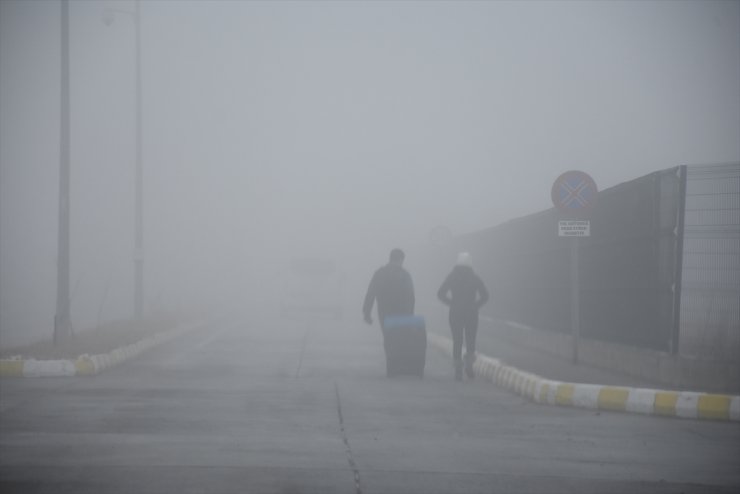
point(393, 288)
point(463, 290)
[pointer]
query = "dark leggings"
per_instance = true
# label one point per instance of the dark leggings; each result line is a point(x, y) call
point(463, 322)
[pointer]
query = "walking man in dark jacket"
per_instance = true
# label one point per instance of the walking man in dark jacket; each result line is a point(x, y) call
point(464, 292)
point(392, 287)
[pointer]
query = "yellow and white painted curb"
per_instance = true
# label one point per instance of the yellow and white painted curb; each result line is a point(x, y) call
point(88, 365)
point(683, 404)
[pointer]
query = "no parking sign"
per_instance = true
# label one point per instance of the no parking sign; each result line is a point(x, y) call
point(574, 192)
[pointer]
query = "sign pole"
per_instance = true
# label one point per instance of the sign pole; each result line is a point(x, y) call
point(575, 296)
point(574, 194)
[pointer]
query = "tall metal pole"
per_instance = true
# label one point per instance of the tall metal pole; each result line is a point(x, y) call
point(62, 325)
point(108, 17)
point(139, 213)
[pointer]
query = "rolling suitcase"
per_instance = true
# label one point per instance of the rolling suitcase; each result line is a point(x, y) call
point(405, 341)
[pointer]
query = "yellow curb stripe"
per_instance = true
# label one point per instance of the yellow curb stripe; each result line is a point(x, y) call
point(634, 400)
point(613, 398)
point(714, 407)
point(564, 394)
point(665, 403)
point(11, 368)
point(84, 367)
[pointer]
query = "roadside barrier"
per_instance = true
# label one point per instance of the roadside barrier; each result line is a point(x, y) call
point(89, 365)
point(682, 404)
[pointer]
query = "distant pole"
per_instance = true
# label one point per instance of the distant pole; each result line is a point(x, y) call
point(109, 16)
point(62, 325)
point(139, 234)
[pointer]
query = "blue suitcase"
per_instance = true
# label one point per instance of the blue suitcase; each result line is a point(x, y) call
point(405, 342)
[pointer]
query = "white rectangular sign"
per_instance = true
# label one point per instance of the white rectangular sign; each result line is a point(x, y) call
point(574, 228)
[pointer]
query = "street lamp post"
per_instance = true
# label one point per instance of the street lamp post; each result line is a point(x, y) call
point(108, 17)
point(62, 324)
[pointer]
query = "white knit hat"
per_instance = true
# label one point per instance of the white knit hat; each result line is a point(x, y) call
point(464, 259)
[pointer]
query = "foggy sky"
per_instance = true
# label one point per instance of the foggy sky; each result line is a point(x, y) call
point(344, 128)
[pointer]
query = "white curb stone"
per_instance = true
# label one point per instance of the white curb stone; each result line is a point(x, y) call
point(89, 364)
point(641, 401)
point(594, 396)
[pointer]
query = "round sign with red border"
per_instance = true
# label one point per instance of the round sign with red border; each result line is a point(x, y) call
point(574, 192)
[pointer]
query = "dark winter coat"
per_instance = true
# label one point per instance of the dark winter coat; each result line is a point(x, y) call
point(463, 290)
point(392, 287)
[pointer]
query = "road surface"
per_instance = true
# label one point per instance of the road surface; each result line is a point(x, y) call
point(303, 406)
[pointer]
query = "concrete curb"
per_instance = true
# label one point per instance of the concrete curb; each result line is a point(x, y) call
point(682, 404)
point(89, 365)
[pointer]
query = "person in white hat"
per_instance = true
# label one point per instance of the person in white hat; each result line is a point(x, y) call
point(465, 293)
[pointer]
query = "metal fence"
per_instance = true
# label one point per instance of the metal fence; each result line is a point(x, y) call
point(632, 267)
point(710, 284)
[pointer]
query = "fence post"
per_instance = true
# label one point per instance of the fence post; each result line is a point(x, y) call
point(678, 262)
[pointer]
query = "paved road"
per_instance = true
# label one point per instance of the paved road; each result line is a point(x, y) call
point(303, 406)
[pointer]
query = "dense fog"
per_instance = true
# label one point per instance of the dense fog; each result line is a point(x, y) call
point(273, 130)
